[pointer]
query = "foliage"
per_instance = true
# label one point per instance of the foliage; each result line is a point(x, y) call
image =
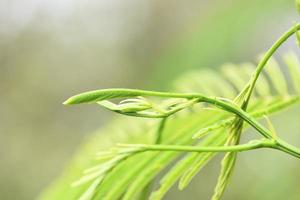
point(185, 127)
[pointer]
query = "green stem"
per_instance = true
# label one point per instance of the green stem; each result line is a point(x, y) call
point(98, 95)
point(255, 144)
point(281, 145)
point(227, 106)
point(267, 57)
point(95, 96)
point(287, 148)
point(266, 143)
point(160, 131)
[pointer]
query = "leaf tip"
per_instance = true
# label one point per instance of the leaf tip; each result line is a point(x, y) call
point(78, 99)
point(182, 183)
point(67, 102)
point(70, 101)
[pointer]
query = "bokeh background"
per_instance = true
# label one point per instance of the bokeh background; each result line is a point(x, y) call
point(50, 50)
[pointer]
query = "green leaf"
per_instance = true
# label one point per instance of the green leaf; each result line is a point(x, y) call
point(100, 95)
point(227, 168)
point(229, 160)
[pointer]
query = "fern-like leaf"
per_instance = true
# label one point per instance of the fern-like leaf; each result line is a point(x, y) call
point(188, 125)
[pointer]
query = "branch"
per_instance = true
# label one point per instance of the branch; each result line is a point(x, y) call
point(250, 86)
point(255, 144)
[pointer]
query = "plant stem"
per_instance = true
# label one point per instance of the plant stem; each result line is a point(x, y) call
point(266, 143)
point(160, 131)
point(287, 148)
point(94, 96)
point(255, 144)
point(267, 57)
point(227, 106)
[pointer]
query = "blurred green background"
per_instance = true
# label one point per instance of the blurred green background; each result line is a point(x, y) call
point(50, 50)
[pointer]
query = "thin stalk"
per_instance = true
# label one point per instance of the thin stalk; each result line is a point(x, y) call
point(287, 148)
point(267, 57)
point(281, 145)
point(266, 143)
point(94, 96)
point(255, 144)
point(160, 131)
point(225, 105)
